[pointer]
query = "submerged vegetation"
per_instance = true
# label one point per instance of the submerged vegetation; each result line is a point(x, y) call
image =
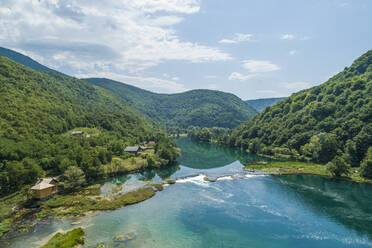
point(88, 200)
point(67, 240)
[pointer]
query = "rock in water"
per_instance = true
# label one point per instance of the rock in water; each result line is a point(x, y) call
point(125, 238)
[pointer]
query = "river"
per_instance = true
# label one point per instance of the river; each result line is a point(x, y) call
point(252, 211)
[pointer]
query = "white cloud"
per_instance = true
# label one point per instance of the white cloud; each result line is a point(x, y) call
point(294, 37)
point(296, 86)
point(175, 78)
point(148, 83)
point(240, 77)
point(287, 37)
point(258, 66)
point(227, 41)
point(238, 37)
point(181, 6)
point(292, 52)
point(103, 36)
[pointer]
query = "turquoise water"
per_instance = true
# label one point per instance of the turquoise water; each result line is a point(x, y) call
point(257, 211)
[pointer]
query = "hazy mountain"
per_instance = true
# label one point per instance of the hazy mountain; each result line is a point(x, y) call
point(260, 104)
point(24, 60)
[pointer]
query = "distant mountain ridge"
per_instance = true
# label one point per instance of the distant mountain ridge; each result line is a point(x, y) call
point(260, 104)
point(24, 60)
point(202, 108)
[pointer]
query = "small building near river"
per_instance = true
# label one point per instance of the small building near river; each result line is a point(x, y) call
point(77, 133)
point(45, 187)
point(134, 149)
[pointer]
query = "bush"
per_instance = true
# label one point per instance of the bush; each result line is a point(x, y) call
point(338, 166)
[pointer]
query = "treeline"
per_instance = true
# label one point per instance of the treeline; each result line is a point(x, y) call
point(39, 110)
point(214, 134)
point(328, 123)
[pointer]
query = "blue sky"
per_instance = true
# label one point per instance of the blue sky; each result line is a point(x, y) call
point(254, 49)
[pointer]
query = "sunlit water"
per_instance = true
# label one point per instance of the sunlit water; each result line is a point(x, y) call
point(254, 211)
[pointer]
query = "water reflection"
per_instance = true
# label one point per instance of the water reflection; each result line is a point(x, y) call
point(207, 156)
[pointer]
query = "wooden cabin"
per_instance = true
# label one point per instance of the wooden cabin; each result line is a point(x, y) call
point(134, 149)
point(77, 133)
point(45, 187)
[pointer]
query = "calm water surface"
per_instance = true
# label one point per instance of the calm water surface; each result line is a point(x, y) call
point(257, 211)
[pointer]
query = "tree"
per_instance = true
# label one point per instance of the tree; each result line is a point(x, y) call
point(338, 166)
point(321, 148)
point(366, 165)
point(74, 178)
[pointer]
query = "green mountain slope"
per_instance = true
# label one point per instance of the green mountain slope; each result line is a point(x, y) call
point(260, 104)
point(24, 60)
point(334, 118)
point(39, 110)
point(203, 108)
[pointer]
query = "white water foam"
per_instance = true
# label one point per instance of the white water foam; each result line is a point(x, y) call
point(198, 180)
point(225, 178)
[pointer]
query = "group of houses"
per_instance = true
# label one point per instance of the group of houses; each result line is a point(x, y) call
point(139, 149)
point(46, 187)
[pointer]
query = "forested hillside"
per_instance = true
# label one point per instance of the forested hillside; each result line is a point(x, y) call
point(39, 110)
point(202, 108)
point(260, 104)
point(317, 124)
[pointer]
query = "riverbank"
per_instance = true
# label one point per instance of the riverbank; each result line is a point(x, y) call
point(78, 204)
point(303, 168)
point(19, 212)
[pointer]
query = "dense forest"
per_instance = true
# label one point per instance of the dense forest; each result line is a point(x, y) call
point(260, 104)
point(38, 112)
point(202, 108)
point(318, 124)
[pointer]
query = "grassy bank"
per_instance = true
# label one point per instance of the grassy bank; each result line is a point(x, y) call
point(70, 239)
point(13, 212)
point(81, 203)
point(294, 167)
